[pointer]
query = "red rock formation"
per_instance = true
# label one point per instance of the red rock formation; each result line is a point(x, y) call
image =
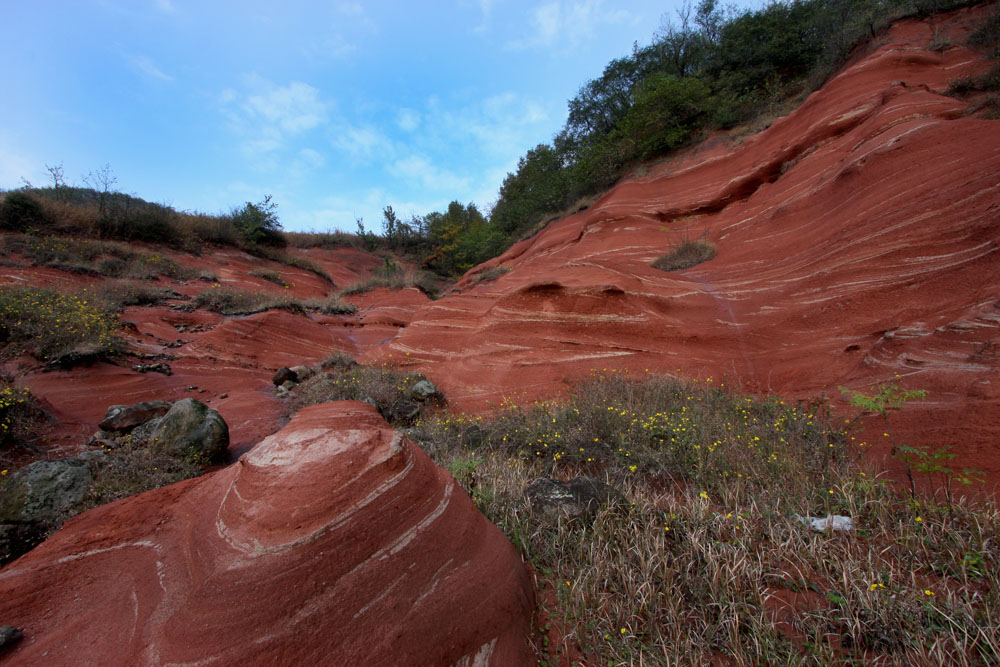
point(857, 240)
point(335, 541)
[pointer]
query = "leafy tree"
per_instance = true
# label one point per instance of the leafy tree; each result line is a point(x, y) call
point(541, 185)
point(258, 223)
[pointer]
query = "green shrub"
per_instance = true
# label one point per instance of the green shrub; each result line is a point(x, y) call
point(20, 211)
point(50, 324)
point(258, 223)
point(685, 255)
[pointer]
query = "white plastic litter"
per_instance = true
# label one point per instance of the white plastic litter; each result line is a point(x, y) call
point(835, 522)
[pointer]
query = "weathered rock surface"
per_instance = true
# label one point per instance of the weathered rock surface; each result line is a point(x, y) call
point(42, 491)
point(334, 541)
point(36, 499)
point(857, 239)
point(127, 417)
point(190, 428)
point(580, 497)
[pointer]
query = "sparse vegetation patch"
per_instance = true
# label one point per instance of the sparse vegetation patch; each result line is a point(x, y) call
point(49, 324)
point(397, 396)
point(686, 255)
point(706, 561)
point(229, 301)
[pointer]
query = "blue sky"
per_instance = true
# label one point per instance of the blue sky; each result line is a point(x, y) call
point(335, 108)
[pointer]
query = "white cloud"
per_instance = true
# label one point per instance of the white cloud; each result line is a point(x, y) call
point(351, 9)
point(419, 170)
point(565, 26)
point(294, 108)
point(312, 158)
point(407, 119)
point(334, 47)
point(149, 68)
point(267, 117)
point(165, 6)
point(486, 7)
point(363, 144)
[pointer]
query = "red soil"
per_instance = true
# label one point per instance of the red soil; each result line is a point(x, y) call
point(857, 242)
point(332, 542)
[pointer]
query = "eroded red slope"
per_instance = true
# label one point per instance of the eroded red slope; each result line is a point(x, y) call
point(335, 541)
point(858, 241)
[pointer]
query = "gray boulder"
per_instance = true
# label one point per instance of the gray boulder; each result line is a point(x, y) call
point(190, 428)
point(580, 497)
point(43, 491)
point(127, 417)
point(424, 391)
point(35, 501)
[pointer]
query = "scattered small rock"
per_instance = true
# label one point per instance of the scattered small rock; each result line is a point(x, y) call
point(223, 396)
point(580, 497)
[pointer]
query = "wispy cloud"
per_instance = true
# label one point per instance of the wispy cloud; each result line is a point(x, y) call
point(145, 65)
point(419, 170)
point(267, 116)
point(293, 108)
point(564, 26)
point(407, 119)
point(166, 6)
point(363, 144)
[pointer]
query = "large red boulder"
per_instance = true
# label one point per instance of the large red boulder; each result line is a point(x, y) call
point(334, 541)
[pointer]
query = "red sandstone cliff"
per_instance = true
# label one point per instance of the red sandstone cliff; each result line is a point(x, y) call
point(858, 240)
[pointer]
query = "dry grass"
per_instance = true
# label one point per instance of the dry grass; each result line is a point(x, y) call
point(394, 277)
point(704, 563)
point(343, 380)
point(105, 258)
point(685, 255)
point(229, 301)
point(269, 275)
point(134, 468)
